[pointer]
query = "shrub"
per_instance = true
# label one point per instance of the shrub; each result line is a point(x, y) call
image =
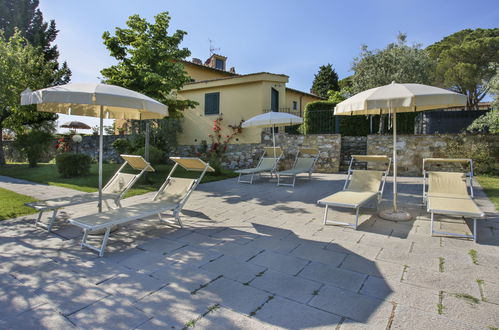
point(476, 147)
point(488, 123)
point(70, 165)
point(318, 118)
point(156, 156)
point(33, 144)
point(122, 146)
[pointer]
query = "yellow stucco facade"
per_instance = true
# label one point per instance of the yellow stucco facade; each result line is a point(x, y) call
point(240, 98)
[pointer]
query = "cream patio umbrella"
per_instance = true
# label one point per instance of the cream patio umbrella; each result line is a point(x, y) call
point(392, 99)
point(273, 119)
point(95, 100)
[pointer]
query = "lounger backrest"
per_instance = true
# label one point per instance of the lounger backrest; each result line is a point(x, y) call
point(118, 183)
point(447, 183)
point(267, 163)
point(304, 163)
point(175, 190)
point(269, 152)
point(365, 181)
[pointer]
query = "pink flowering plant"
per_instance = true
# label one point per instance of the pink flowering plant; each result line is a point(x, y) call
point(218, 142)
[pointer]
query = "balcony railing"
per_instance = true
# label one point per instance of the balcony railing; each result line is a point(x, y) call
point(287, 110)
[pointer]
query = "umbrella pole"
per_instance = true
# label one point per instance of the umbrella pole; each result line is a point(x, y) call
point(273, 139)
point(394, 127)
point(101, 154)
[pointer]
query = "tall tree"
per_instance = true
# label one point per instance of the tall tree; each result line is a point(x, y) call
point(325, 80)
point(21, 66)
point(149, 60)
point(466, 62)
point(25, 16)
point(397, 62)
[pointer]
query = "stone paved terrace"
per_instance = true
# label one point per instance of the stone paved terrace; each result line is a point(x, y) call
point(254, 257)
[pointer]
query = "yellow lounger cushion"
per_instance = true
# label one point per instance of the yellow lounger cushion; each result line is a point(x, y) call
point(303, 165)
point(447, 184)
point(365, 180)
point(465, 207)
point(351, 199)
point(266, 165)
point(70, 200)
point(122, 215)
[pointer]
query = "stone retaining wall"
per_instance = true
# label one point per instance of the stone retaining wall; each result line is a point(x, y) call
point(247, 155)
point(89, 145)
point(411, 149)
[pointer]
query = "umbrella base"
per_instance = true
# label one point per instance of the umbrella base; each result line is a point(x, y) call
point(391, 215)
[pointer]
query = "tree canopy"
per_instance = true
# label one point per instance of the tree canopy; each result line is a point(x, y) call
point(21, 65)
point(397, 62)
point(325, 80)
point(24, 15)
point(466, 61)
point(149, 60)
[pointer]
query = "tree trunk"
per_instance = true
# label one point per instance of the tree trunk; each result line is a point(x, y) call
point(2, 155)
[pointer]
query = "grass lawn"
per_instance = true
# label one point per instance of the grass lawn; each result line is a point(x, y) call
point(47, 174)
point(12, 205)
point(490, 185)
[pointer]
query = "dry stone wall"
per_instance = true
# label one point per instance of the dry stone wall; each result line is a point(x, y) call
point(247, 155)
point(411, 149)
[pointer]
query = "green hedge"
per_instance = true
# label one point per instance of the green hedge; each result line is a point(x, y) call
point(70, 165)
point(319, 118)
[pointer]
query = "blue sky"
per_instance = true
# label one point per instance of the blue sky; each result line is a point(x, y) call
point(289, 37)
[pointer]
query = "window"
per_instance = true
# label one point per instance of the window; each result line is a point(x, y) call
point(212, 103)
point(295, 105)
point(219, 64)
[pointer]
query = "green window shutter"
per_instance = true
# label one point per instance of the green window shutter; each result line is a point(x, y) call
point(212, 103)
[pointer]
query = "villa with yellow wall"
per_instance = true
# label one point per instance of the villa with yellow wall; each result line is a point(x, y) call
point(235, 96)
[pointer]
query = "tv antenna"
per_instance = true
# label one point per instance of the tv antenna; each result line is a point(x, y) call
point(212, 48)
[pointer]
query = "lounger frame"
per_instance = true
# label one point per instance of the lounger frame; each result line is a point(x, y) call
point(433, 211)
point(115, 197)
point(294, 175)
point(174, 207)
point(469, 175)
point(378, 196)
point(259, 172)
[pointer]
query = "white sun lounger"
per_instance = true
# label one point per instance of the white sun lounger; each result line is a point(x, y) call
point(457, 162)
point(114, 190)
point(268, 163)
point(360, 188)
point(301, 165)
point(171, 196)
point(447, 194)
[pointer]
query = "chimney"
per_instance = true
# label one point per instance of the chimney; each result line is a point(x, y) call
point(197, 61)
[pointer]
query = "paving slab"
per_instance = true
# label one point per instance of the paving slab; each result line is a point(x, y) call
point(335, 276)
point(109, 313)
point(132, 286)
point(421, 320)
point(278, 310)
point(71, 296)
point(224, 318)
point(41, 317)
point(357, 307)
point(184, 275)
point(292, 287)
point(232, 268)
point(174, 306)
point(280, 262)
point(223, 291)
